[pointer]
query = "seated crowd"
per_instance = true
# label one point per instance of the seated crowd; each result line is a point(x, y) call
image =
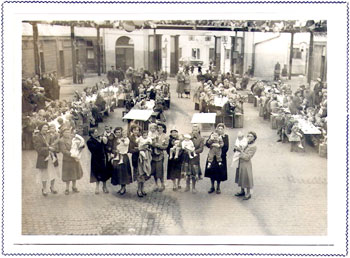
point(290, 109)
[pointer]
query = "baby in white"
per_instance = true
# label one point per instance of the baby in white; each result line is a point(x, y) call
point(188, 146)
point(77, 145)
point(240, 144)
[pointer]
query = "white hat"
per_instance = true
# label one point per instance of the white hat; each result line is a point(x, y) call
point(187, 136)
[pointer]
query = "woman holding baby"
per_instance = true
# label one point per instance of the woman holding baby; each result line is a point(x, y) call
point(47, 163)
point(216, 166)
point(191, 161)
point(175, 159)
point(121, 172)
point(244, 172)
point(159, 144)
point(71, 167)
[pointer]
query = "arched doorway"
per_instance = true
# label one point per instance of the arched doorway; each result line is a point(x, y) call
point(124, 53)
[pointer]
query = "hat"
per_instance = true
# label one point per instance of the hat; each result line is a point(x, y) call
point(187, 136)
point(174, 129)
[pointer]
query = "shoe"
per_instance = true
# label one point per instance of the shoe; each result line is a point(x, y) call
point(143, 193)
point(156, 189)
point(53, 190)
point(66, 192)
point(174, 188)
point(240, 194)
point(212, 190)
point(218, 191)
point(179, 187)
point(44, 192)
point(279, 140)
point(247, 197)
point(194, 191)
point(162, 188)
point(105, 190)
point(97, 191)
point(122, 191)
point(139, 194)
point(75, 189)
point(187, 188)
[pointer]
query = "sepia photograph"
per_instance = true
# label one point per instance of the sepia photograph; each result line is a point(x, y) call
point(174, 127)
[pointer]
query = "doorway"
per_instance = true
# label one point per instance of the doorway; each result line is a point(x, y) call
point(124, 53)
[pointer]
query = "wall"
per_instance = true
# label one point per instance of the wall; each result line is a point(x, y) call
point(140, 39)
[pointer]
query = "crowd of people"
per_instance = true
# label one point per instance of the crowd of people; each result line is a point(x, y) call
point(290, 108)
point(58, 126)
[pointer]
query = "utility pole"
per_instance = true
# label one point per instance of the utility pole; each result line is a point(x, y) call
point(36, 48)
point(291, 55)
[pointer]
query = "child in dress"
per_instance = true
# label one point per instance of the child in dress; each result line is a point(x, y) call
point(144, 142)
point(153, 134)
point(295, 138)
point(216, 143)
point(175, 150)
point(122, 147)
point(240, 144)
point(78, 144)
point(188, 146)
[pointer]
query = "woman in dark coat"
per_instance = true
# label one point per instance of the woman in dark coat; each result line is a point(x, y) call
point(99, 171)
point(244, 173)
point(71, 168)
point(121, 172)
point(191, 167)
point(215, 172)
point(46, 164)
point(174, 164)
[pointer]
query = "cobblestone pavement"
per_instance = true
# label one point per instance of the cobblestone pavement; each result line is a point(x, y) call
point(289, 198)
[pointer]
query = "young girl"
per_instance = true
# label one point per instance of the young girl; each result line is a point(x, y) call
point(295, 138)
point(240, 144)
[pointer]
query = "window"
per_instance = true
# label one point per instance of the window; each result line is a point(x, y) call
point(227, 53)
point(90, 54)
point(297, 53)
point(207, 38)
point(180, 52)
point(196, 53)
point(191, 38)
point(89, 43)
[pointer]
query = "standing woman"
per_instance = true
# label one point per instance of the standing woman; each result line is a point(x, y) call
point(215, 172)
point(174, 164)
point(99, 171)
point(121, 172)
point(180, 84)
point(45, 162)
point(191, 167)
point(187, 86)
point(157, 165)
point(71, 167)
point(244, 173)
point(138, 174)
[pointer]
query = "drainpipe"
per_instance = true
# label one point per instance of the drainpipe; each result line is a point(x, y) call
point(254, 47)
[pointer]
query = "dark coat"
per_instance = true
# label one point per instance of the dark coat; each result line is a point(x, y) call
point(99, 170)
point(71, 169)
point(42, 148)
point(216, 172)
point(174, 165)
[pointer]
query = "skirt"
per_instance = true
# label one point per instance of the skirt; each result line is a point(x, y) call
point(157, 169)
point(121, 173)
point(71, 170)
point(47, 174)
